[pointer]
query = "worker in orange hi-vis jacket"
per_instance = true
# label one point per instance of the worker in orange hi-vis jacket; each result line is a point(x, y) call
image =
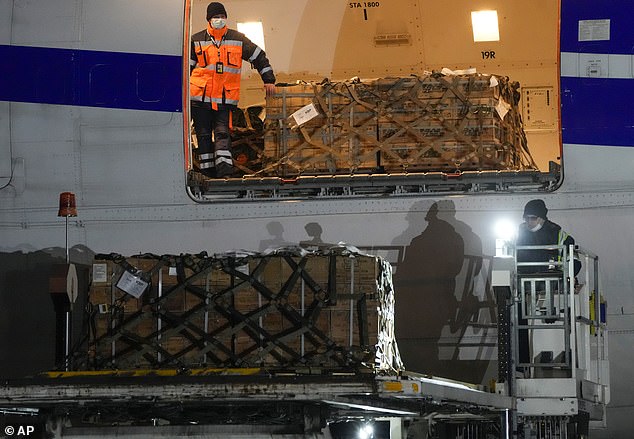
point(216, 60)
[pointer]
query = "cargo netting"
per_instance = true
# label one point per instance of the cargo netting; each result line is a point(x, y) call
point(326, 310)
point(435, 122)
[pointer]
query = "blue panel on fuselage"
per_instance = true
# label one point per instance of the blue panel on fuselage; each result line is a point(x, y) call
point(91, 78)
point(597, 111)
point(619, 12)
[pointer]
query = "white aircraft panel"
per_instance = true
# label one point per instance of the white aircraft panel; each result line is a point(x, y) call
point(121, 160)
point(596, 65)
point(49, 141)
point(583, 170)
point(6, 13)
point(621, 66)
point(5, 145)
point(116, 25)
point(43, 183)
point(34, 123)
point(569, 64)
point(50, 23)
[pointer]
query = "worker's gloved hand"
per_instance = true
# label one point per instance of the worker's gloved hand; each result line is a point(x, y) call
point(270, 90)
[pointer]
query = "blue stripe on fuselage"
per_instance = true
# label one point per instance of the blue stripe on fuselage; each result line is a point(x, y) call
point(91, 78)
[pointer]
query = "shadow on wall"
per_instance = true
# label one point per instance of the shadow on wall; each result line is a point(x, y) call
point(277, 240)
point(27, 315)
point(314, 232)
point(275, 230)
point(445, 316)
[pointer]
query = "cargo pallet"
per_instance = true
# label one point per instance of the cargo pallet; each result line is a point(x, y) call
point(309, 310)
point(390, 137)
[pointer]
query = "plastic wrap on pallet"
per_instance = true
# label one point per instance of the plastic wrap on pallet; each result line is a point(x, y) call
point(435, 122)
point(332, 310)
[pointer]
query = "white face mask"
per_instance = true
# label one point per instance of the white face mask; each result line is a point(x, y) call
point(537, 227)
point(218, 23)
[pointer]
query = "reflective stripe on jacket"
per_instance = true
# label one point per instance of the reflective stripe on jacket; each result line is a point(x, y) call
point(217, 66)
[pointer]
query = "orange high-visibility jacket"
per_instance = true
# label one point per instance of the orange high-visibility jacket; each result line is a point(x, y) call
point(216, 66)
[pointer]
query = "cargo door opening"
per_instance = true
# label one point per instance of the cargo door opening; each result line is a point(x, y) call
point(393, 108)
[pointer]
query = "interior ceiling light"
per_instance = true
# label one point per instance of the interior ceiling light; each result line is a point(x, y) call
point(254, 31)
point(485, 26)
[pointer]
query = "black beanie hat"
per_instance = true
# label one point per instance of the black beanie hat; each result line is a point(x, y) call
point(536, 208)
point(215, 8)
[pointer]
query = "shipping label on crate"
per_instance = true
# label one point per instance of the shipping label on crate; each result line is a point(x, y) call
point(305, 114)
point(502, 108)
point(132, 284)
point(100, 273)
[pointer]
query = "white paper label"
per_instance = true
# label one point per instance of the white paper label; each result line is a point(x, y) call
point(502, 108)
point(131, 284)
point(243, 269)
point(304, 114)
point(594, 30)
point(100, 272)
point(594, 65)
point(448, 72)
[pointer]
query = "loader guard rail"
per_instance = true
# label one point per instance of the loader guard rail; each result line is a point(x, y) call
point(560, 336)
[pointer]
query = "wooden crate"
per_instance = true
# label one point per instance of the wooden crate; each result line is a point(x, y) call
point(330, 310)
point(432, 122)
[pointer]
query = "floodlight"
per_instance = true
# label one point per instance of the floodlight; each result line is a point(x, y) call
point(366, 432)
point(254, 31)
point(485, 26)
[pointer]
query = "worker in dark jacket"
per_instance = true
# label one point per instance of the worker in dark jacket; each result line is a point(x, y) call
point(216, 64)
point(537, 229)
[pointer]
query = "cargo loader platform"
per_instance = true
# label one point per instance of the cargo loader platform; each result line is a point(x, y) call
point(243, 396)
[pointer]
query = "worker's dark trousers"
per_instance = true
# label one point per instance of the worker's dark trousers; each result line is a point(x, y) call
point(214, 157)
